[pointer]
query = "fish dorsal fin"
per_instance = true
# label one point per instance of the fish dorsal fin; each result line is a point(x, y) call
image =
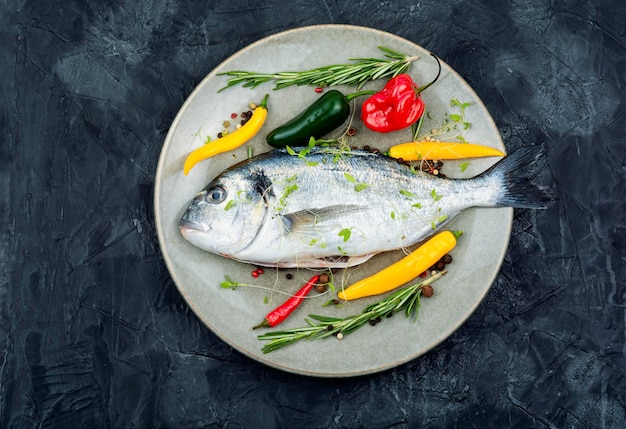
point(313, 221)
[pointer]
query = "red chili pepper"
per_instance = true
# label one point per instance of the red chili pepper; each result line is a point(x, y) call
point(396, 106)
point(280, 313)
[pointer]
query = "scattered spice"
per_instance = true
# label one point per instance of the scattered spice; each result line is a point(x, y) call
point(321, 288)
point(427, 291)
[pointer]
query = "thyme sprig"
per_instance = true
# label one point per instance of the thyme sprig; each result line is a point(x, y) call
point(452, 126)
point(406, 299)
point(356, 73)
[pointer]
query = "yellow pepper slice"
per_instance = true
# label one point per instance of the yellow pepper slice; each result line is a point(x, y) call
point(416, 151)
point(230, 141)
point(405, 270)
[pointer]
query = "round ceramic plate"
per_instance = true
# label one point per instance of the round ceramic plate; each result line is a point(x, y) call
point(230, 314)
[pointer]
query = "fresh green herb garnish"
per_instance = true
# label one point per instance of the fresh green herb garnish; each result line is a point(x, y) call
point(302, 153)
point(405, 300)
point(358, 186)
point(290, 187)
point(435, 196)
point(452, 126)
point(357, 73)
point(345, 233)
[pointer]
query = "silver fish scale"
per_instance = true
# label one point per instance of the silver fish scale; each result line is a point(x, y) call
point(338, 206)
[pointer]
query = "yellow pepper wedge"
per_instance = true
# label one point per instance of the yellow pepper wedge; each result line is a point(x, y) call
point(417, 151)
point(405, 270)
point(230, 141)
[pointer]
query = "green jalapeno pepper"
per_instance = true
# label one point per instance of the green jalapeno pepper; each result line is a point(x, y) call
point(325, 115)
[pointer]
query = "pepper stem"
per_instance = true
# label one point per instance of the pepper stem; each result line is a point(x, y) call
point(457, 234)
point(264, 102)
point(263, 324)
point(358, 94)
point(419, 90)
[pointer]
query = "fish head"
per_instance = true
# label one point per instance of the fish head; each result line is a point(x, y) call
point(226, 216)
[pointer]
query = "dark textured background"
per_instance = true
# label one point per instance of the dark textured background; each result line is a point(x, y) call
point(93, 333)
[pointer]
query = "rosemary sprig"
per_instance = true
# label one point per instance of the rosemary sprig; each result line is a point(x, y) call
point(357, 73)
point(405, 299)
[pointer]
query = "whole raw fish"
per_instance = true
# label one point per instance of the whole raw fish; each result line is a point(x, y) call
point(325, 207)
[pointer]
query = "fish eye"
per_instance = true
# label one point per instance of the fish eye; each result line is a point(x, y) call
point(216, 195)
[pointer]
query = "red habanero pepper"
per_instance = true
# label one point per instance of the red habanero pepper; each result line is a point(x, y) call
point(280, 313)
point(396, 106)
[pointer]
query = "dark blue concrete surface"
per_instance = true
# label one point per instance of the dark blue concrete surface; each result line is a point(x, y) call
point(93, 333)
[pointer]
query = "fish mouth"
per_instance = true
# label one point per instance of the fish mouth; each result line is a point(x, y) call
point(189, 227)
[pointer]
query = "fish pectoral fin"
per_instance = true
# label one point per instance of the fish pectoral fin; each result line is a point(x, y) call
point(313, 221)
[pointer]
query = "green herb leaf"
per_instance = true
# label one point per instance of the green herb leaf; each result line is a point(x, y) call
point(406, 193)
point(435, 195)
point(457, 103)
point(349, 177)
point(229, 283)
point(360, 187)
point(345, 233)
point(463, 166)
point(229, 205)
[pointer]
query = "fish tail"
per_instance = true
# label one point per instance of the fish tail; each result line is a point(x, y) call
point(516, 188)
